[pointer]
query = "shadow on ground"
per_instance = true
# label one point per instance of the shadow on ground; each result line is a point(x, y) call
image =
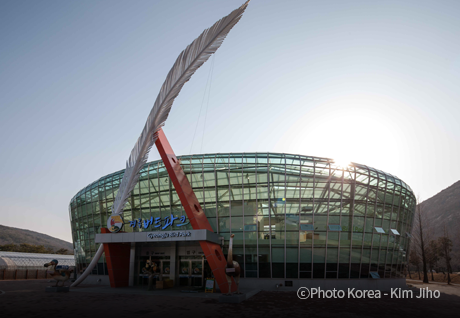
point(29, 299)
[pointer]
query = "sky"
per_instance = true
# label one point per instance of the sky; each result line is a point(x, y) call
point(371, 82)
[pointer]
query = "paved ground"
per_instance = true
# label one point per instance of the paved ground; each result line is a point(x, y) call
point(28, 299)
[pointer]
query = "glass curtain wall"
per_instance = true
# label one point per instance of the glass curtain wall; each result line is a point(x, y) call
point(292, 216)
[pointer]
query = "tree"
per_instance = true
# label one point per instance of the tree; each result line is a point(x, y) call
point(432, 256)
point(414, 259)
point(421, 237)
point(26, 248)
point(29, 248)
point(456, 250)
point(8, 248)
point(445, 244)
point(62, 251)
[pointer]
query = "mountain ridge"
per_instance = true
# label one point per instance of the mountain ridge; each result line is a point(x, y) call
point(14, 235)
point(443, 209)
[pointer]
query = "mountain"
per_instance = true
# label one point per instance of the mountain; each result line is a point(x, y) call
point(443, 209)
point(12, 235)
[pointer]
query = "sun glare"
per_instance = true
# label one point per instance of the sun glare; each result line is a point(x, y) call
point(342, 162)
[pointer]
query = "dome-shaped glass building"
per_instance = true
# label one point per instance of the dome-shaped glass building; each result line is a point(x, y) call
point(295, 218)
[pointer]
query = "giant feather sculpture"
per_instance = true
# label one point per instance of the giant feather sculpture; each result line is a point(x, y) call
point(188, 61)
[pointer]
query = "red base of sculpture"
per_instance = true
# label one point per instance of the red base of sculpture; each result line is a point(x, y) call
point(117, 259)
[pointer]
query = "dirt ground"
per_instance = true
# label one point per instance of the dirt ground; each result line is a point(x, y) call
point(438, 277)
point(28, 298)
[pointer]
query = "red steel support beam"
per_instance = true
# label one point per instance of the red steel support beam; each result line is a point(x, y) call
point(195, 214)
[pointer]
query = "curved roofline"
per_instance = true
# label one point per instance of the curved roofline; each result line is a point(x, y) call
point(327, 160)
point(37, 255)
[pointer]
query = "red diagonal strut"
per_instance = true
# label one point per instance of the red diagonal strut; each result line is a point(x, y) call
point(195, 214)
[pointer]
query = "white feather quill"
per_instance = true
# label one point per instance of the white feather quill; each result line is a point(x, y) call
point(189, 60)
point(186, 64)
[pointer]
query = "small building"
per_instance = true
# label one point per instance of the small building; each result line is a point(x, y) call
point(18, 265)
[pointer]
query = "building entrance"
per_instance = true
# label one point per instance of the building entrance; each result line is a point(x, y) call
point(191, 271)
point(182, 262)
point(161, 265)
point(158, 256)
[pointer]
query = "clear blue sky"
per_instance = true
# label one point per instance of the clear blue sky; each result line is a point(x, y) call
point(374, 82)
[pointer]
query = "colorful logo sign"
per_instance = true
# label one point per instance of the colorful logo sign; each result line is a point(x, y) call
point(158, 222)
point(114, 223)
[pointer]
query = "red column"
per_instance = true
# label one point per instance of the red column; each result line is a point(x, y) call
point(195, 214)
point(117, 258)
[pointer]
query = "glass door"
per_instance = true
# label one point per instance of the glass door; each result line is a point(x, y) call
point(191, 272)
point(165, 268)
point(196, 278)
point(184, 272)
point(159, 266)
